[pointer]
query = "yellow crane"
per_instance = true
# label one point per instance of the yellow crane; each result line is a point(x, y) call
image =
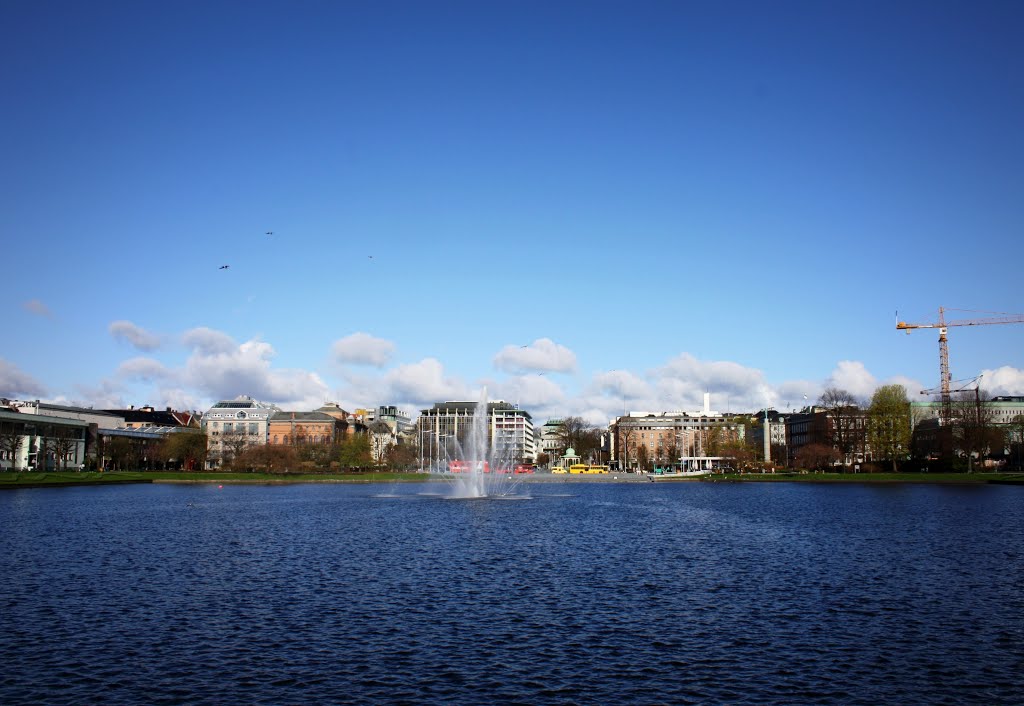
point(942, 325)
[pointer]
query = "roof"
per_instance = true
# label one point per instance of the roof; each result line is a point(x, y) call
point(301, 417)
point(158, 417)
point(67, 408)
point(37, 419)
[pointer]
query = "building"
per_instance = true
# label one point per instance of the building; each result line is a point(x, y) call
point(551, 442)
point(979, 428)
point(443, 433)
point(232, 425)
point(42, 442)
point(102, 419)
point(143, 417)
point(687, 440)
point(302, 428)
point(845, 431)
point(122, 439)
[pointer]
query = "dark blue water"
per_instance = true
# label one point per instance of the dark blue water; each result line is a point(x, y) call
point(608, 594)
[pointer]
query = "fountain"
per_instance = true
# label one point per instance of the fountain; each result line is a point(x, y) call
point(488, 472)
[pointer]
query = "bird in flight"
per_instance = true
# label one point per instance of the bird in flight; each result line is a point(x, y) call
point(223, 267)
point(270, 232)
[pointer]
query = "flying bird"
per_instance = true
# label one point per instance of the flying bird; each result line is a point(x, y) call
point(223, 267)
point(270, 232)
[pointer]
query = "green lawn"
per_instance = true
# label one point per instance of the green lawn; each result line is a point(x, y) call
point(31, 480)
point(872, 477)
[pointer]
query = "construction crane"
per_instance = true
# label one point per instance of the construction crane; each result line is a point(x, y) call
point(942, 325)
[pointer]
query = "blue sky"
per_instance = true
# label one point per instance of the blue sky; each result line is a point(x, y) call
point(583, 206)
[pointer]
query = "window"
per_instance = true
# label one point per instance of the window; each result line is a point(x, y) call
point(253, 428)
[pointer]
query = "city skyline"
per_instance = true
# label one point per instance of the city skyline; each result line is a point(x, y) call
point(583, 207)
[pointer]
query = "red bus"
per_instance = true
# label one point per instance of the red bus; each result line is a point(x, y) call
point(464, 467)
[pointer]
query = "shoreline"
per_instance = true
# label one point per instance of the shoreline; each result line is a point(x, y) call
point(74, 479)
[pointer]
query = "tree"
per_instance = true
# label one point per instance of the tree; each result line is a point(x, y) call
point(843, 417)
point(627, 436)
point(889, 424)
point(355, 452)
point(185, 448)
point(268, 458)
point(400, 457)
point(233, 443)
point(816, 457)
point(64, 441)
point(1016, 431)
point(974, 432)
point(120, 451)
point(10, 443)
point(641, 458)
point(578, 434)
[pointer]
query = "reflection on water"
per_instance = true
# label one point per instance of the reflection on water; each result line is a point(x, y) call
point(638, 593)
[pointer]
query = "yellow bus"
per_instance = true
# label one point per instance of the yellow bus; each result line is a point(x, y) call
point(578, 468)
point(597, 469)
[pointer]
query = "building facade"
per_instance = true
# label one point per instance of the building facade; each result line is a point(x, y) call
point(302, 428)
point(443, 433)
point(233, 425)
point(687, 440)
point(42, 442)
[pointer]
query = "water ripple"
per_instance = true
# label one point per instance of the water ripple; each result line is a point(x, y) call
point(691, 593)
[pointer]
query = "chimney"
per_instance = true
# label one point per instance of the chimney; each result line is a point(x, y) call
point(707, 403)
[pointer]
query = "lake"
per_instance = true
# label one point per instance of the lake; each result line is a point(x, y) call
point(599, 593)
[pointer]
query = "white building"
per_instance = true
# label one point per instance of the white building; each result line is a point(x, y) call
point(444, 429)
point(231, 425)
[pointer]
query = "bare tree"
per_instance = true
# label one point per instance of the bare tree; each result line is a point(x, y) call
point(62, 443)
point(627, 435)
point(974, 431)
point(816, 457)
point(11, 443)
point(573, 434)
point(233, 444)
point(843, 418)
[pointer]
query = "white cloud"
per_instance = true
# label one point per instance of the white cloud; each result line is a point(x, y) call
point(622, 383)
point(530, 392)
point(16, 383)
point(1003, 381)
point(179, 399)
point(220, 368)
point(34, 306)
point(682, 382)
point(208, 342)
point(146, 369)
point(422, 383)
point(135, 335)
point(852, 376)
point(541, 355)
point(363, 349)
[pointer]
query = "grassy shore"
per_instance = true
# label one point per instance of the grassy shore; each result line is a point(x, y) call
point(73, 478)
point(788, 476)
point(66, 478)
